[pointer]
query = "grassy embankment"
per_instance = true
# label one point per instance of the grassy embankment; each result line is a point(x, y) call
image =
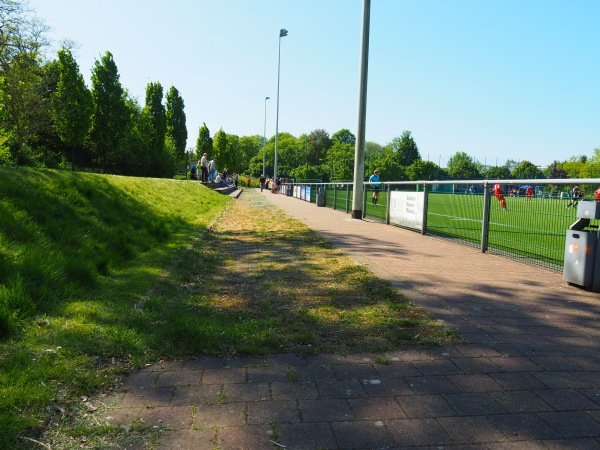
point(100, 275)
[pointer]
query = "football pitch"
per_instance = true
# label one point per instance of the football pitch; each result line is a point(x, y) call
point(531, 230)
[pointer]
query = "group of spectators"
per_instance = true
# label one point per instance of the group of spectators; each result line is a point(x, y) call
point(206, 172)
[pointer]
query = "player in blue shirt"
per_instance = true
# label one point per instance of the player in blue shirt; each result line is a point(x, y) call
point(374, 180)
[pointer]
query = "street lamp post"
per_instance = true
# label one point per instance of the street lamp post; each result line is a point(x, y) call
point(282, 33)
point(265, 136)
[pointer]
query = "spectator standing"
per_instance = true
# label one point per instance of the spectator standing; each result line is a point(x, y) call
point(193, 174)
point(529, 192)
point(597, 194)
point(204, 168)
point(248, 182)
point(212, 169)
point(262, 181)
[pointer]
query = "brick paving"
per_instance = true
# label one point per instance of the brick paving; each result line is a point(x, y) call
point(527, 378)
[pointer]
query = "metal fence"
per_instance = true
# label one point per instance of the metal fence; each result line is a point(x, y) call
point(531, 230)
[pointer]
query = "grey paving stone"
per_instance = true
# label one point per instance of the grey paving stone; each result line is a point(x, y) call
point(341, 389)
point(294, 391)
point(567, 400)
point(306, 436)
point(224, 376)
point(245, 392)
point(287, 360)
point(437, 367)
point(267, 374)
point(174, 417)
point(245, 438)
point(474, 383)
point(203, 363)
point(520, 401)
point(554, 363)
point(470, 430)
point(362, 434)
point(560, 380)
point(141, 379)
point(431, 385)
point(572, 424)
point(592, 379)
point(325, 410)
point(387, 387)
point(524, 426)
point(179, 378)
point(227, 414)
point(315, 372)
point(272, 411)
point(519, 381)
point(360, 371)
point(195, 395)
point(578, 444)
point(396, 369)
point(417, 432)
point(516, 444)
point(148, 397)
point(476, 365)
point(376, 408)
point(515, 364)
point(473, 404)
point(188, 439)
point(426, 406)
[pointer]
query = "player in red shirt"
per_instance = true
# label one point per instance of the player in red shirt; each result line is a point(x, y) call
point(529, 192)
point(499, 196)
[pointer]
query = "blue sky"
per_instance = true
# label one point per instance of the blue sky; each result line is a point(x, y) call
point(497, 79)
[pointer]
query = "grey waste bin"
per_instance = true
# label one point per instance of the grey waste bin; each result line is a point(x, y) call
point(321, 197)
point(582, 262)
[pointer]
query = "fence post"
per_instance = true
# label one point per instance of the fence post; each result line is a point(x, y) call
point(424, 229)
point(387, 206)
point(364, 199)
point(334, 196)
point(485, 225)
point(348, 198)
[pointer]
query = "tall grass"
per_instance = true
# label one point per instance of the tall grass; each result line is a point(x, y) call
point(76, 251)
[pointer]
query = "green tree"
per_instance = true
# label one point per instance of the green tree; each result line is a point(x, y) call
point(343, 136)
point(71, 104)
point(220, 150)
point(498, 173)
point(462, 166)
point(176, 122)
point(340, 160)
point(527, 170)
point(24, 109)
point(555, 170)
point(405, 149)
point(424, 170)
point(204, 144)
point(154, 114)
point(249, 146)
point(111, 120)
point(318, 143)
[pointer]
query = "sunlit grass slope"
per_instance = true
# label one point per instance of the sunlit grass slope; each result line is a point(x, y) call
point(78, 252)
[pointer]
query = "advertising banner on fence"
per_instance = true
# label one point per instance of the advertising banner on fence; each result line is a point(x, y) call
point(307, 198)
point(406, 209)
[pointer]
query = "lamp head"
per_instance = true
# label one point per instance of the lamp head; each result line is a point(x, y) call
point(267, 98)
point(283, 32)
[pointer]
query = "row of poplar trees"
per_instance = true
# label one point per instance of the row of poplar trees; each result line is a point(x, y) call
point(48, 116)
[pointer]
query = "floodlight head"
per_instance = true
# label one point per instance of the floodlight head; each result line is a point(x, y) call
point(267, 98)
point(283, 32)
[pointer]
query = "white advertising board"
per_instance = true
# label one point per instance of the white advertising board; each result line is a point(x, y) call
point(406, 209)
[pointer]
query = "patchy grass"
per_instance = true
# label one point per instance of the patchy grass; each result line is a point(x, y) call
point(115, 272)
